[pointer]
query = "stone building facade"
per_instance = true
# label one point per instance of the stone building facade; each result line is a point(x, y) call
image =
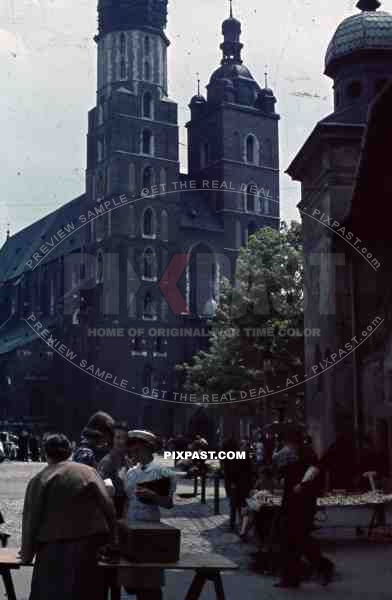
point(344, 278)
point(145, 246)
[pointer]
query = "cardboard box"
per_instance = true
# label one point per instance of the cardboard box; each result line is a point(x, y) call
point(149, 542)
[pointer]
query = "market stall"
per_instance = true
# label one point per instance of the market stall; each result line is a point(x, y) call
point(357, 510)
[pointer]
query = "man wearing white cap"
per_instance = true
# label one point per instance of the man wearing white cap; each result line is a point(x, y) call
point(143, 504)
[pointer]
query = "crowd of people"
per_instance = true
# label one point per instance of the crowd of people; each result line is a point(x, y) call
point(72, 507)
point(287, 463)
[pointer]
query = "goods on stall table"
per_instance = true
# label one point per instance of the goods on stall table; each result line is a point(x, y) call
point(265, 498)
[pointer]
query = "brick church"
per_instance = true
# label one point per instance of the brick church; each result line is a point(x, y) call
point(92, 295)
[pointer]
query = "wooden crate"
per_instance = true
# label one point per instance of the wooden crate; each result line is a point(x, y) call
point(149, 542)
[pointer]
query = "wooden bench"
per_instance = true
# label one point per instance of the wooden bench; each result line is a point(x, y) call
point(9, 560)
point(207, 567)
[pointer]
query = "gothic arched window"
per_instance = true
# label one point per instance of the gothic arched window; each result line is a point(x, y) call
point(148, 178)
point(250, 198)
point(250, 149)
point(122, 44)
point(147, 105)
point(148, 310)
point(148, 218)
point(123, 70)
point(147, 45)
point(164, 225)
point(148, 260)
point(147, 71)
point(147, 141)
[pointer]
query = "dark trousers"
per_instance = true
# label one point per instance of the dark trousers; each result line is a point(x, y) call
point(297, 541)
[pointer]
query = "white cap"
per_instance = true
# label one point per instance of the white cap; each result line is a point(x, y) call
point(144, 436)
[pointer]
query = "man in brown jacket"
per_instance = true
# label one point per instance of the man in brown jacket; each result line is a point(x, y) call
point(67, 516)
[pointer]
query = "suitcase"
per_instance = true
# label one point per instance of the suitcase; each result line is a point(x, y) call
point(144, 542)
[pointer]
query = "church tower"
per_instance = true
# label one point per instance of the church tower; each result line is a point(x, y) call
point(233, 138)
point(133, 132)
point(133, 152)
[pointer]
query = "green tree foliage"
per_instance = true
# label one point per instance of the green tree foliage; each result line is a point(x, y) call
point(249, 343)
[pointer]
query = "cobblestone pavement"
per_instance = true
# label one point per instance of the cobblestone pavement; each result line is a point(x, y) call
point(201, 530)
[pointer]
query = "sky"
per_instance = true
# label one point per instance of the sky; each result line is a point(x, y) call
point(48, 84)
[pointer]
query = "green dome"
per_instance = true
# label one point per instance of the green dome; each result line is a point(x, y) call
point(368, 30)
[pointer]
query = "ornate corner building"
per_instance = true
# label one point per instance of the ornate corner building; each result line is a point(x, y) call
point(145, 246)
point(347, 281)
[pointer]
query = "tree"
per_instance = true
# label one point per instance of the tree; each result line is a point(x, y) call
point(256, 338)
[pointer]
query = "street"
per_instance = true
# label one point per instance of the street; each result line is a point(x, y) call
point(364, 567)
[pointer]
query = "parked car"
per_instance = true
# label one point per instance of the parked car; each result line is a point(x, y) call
point(10, 445)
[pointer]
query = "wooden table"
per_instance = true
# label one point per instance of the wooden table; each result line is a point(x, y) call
point(207, 567)
point(9, 560)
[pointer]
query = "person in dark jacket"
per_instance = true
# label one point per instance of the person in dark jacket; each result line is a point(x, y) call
point(97, 440)
point(299, 506)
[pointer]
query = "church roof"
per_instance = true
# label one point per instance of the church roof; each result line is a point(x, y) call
point(19, 335)
point(20, 248)
point(231, 71)
point(368, 30)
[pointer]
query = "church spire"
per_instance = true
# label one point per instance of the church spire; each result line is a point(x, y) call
point(231, 46)
point(368, 5)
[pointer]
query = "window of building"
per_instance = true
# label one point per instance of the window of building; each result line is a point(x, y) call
point(148, 180)
point(147, 71)
point(250, 149)
point(147, 105)
point(164, 225)
point(147, 45)
point(123, 69)
point(148, 310)
point(354, 89)
point(250, 199)
point(149, 259)
point(122, 44)
point(148, 219)
point(147, 141)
